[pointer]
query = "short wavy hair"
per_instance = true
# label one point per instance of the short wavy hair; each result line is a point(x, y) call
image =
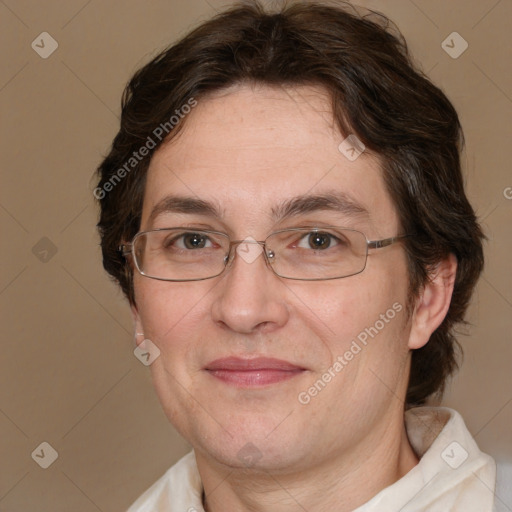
point(377, 93)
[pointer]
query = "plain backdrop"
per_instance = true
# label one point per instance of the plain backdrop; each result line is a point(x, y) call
point(68, 375)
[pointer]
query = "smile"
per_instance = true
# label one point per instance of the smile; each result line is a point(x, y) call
point(251, 373)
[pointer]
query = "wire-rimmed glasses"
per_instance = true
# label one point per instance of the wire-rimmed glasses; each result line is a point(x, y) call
point(305, 253)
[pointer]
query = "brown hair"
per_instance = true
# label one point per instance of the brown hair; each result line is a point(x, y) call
point(377, 94)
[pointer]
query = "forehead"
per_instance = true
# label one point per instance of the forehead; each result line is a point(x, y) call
point(249, 149)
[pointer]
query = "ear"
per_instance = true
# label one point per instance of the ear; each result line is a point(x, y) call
point(433, 303)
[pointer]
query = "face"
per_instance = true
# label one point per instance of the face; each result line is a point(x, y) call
point(249, 152)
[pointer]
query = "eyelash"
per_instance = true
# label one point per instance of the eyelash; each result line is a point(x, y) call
point(175, 240)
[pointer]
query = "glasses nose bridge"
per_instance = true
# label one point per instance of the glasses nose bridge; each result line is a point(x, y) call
point(229, 258)
point(247, 241)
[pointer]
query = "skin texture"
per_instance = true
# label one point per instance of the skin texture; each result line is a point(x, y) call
point(247, 150)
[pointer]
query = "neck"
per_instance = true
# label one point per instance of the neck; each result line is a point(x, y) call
point(342, 483)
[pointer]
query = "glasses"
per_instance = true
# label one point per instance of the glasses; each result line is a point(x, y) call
point(305, 254)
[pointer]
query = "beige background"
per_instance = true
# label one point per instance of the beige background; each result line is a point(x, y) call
point(68, 375)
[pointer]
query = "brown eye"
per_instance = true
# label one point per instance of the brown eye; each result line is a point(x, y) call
point(319, 240)
point(194, 240)
point(187, 241)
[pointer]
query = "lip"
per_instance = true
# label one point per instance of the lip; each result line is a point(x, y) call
point(255, 372)
point(257, 363)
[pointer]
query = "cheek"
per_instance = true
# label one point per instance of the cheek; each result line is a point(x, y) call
point(172, 317)
point(366, 307)
point(169, 310)
point(366, 342)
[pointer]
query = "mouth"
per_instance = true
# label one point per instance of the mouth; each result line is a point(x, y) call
point(250, 373)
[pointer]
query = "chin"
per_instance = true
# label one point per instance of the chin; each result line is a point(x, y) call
point(258, 448)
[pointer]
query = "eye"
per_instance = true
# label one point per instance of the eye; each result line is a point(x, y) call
point(318, 240)
point(190, 241)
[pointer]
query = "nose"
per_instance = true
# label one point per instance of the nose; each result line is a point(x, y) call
point(250, 298)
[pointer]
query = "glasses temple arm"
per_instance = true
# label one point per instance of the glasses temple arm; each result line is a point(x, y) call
point(377, 244)
point(125, 249)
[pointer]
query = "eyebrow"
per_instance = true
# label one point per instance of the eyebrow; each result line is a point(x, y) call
point(183, 204)
point(299, 205)
point(331, 201)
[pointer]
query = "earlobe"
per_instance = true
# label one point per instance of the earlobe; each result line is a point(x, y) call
point(433, 302)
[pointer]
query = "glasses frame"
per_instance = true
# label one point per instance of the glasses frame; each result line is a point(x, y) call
point(128, 250)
